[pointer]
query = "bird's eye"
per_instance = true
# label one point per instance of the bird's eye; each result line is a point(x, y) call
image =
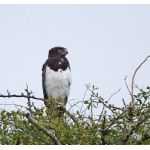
point(59, 50)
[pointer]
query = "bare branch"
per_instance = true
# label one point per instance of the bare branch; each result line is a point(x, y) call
point(24, 96)
point(124, 103)
point(75, 104)
point(125, 79)
point(132, 83)
point(43, 129)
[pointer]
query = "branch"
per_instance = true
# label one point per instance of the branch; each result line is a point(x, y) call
point(132, 83)
point(75, 104)
point(127, 85)
point(44, 130)
point(100, 116)
point(114, 121)
point(114, 94)
point(108, 101)
point(102, 101)
point(24, 96)
point(103, 131)
point(29, 101)
point(27, 132)
point(17, 106)
point(71, 116)
point(83, 99)
point(124, 103)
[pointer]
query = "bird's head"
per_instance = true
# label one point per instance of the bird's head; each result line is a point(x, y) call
point(57, 51)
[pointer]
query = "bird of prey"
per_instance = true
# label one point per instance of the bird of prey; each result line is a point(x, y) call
point(56, 80)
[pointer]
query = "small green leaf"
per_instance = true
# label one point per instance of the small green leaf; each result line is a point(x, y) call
point(86, 102)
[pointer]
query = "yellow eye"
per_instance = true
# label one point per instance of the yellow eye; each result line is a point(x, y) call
point(59, 50)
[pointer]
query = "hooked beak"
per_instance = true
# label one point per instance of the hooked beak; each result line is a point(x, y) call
point(64, 52)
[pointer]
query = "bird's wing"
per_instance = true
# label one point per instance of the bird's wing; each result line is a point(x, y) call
point(43, 80)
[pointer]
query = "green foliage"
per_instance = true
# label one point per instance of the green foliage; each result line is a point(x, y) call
point(113, 125)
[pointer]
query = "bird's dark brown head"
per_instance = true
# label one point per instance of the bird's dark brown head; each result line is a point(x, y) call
point(57, 51)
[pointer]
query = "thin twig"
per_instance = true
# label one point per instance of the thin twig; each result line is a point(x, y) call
point(74, 104)
point(83, 100)
point(108, 101)
point(15, 105)
point(43, 129)
point(124, 103)
point(132, 83)
point(101, 101)
point(125, 79)
point(114, 94)
point(29, 101)
point(100, 116)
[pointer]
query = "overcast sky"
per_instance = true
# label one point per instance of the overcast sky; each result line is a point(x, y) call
point(105, 44)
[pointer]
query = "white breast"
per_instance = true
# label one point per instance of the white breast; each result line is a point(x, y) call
point(57, 83)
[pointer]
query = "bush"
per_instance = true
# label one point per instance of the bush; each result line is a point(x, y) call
point(125, 125)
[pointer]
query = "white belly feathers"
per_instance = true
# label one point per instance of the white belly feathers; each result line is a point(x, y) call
point(57, 83)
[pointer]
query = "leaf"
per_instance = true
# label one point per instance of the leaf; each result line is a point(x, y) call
point(139, 101)
point(88, 106)
point(86, 102)
point(148, 87)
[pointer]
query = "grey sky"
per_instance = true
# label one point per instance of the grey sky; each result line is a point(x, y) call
point(105, 43)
